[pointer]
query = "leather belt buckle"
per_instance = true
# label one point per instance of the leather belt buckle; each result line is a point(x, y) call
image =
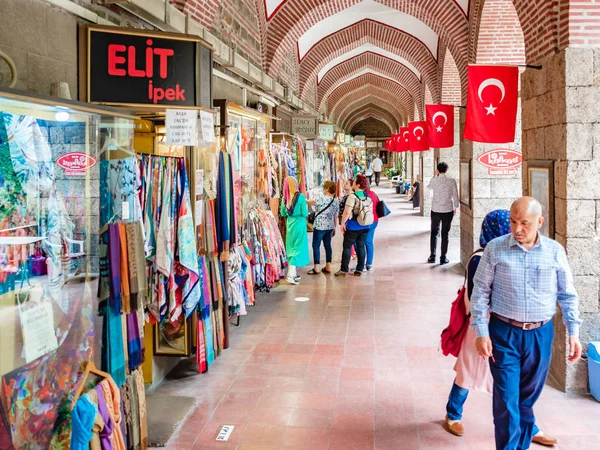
point(527, 326)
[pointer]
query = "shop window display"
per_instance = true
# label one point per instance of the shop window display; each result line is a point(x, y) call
point(49, 210)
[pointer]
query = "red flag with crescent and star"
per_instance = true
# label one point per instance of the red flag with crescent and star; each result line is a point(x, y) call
point(492, 101)
point(417, 136)
point(403, 142)
point(440, 125)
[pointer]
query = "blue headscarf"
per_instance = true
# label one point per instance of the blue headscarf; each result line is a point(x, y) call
point(495, 224)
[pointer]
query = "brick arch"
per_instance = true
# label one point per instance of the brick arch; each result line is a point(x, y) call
point(349, 68)
point(374, 109)
point(388, 109)
point(390, 89)
point(368, 32)
point(538, 20)
point(361, 127)
point(452, 87)
point(370, 114)
point(294, 18)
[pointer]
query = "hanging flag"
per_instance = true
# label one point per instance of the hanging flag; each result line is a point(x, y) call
point(440, 125)
point(394, 144)
point(492, 104)
point(387, 144)
point(403, 142)
point(417, 136)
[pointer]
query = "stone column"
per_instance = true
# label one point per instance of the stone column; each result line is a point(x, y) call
point(561, 124)
point(427, 165)
point(488, 192)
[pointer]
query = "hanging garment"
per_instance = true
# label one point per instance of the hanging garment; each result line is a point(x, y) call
point(82, 417)
point(106, 433)
point(113, 356)
point(98, 425)
point(187, 245)
point(141, 398)
point(125, 294)
point(134, 346)
point(112, 397)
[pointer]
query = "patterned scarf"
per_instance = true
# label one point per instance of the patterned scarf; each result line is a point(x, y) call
point(495, 224)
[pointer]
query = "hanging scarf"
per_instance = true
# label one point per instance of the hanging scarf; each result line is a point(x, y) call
point(187, 245)
point(82, 420)
point(126, 307)
point(221, 209)
point(114, 247)
point(134, 347)
point(107, 431)
point(132, 265)
point(112, 397)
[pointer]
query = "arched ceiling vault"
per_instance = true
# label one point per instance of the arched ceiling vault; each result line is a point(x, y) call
point(342, 47)
point(356, 66)
point(365, 85)
point(368, 115)
point(372, 108)
point(387, 110)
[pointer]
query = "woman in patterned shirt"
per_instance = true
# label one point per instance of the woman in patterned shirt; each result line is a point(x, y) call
point(327, 207)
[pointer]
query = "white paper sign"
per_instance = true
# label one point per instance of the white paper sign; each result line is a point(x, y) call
point(182, 126)
point(37, 326)
point(199, 182)
point(207, 126)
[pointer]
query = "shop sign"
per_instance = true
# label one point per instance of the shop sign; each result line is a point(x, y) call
point(327, 132)
point(284, 124)
point(372, 144)
point(348, 139)
point(135, 67)
point(305, 126)
point(501, 161)
point(360, 144)
point(182, 126)
point(75, 164)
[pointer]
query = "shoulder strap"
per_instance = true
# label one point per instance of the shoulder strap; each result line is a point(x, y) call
point(326, 208)
point(475, 253)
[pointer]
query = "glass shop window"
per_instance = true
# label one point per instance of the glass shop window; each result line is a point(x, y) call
point(49, 224)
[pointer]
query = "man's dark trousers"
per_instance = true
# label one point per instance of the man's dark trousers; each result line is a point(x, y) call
point(522, 360)
point(445, 219)
point(377, 178)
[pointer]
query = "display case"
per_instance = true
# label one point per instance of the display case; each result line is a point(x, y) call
point(49, 225)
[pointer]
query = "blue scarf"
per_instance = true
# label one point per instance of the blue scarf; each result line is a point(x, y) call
point(495, 224)
point(82, 417)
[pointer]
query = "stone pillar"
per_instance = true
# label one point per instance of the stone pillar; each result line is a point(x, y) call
point(488, 192)
point(561, 124)
point(451, 156)
point(427, 166)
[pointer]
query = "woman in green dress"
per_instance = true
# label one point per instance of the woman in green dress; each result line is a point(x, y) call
point(294, 208)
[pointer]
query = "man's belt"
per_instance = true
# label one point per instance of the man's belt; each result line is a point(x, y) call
point(523, 325)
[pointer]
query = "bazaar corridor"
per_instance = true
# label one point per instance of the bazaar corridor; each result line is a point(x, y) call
point(357, 366)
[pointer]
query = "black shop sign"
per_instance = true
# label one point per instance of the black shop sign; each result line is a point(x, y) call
point(138, 68)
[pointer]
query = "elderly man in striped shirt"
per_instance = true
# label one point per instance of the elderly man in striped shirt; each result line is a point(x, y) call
point(518, 281)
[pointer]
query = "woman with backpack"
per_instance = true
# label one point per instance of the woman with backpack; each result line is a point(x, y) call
point(324, 221)
point(295, 210)
point(473, 371)
point(356, 222)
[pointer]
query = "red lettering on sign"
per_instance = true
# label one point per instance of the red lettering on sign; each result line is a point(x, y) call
point(75, 163)
point(163, 55)
point(156, 94)
point(113, 60)
point(501, 161)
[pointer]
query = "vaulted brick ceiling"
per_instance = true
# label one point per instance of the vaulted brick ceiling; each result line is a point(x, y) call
point(348, 50)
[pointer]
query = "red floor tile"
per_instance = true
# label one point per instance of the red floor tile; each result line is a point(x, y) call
point(309, 400)
point(308, 439)
point(312, 418)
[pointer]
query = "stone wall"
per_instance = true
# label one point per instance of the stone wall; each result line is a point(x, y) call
point(561, 124)
point(42, 42)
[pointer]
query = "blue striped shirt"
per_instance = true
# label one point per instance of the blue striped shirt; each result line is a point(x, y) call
point(524, 285)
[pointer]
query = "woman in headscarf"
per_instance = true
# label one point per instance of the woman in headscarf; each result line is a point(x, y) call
point(294, 208)
point(473, 371)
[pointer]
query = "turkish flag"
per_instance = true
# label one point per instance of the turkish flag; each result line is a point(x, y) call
point(417, 136)
point(492, 104)
point(440, 125)
point(403, 142)
point(396, 142)
point(387, 145)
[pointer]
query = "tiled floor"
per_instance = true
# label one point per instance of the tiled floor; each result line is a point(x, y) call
point(356, 367)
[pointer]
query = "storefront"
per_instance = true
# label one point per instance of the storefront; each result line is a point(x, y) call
point(50, 153)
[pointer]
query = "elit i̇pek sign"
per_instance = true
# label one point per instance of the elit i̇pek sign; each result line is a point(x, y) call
point(140, 68)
